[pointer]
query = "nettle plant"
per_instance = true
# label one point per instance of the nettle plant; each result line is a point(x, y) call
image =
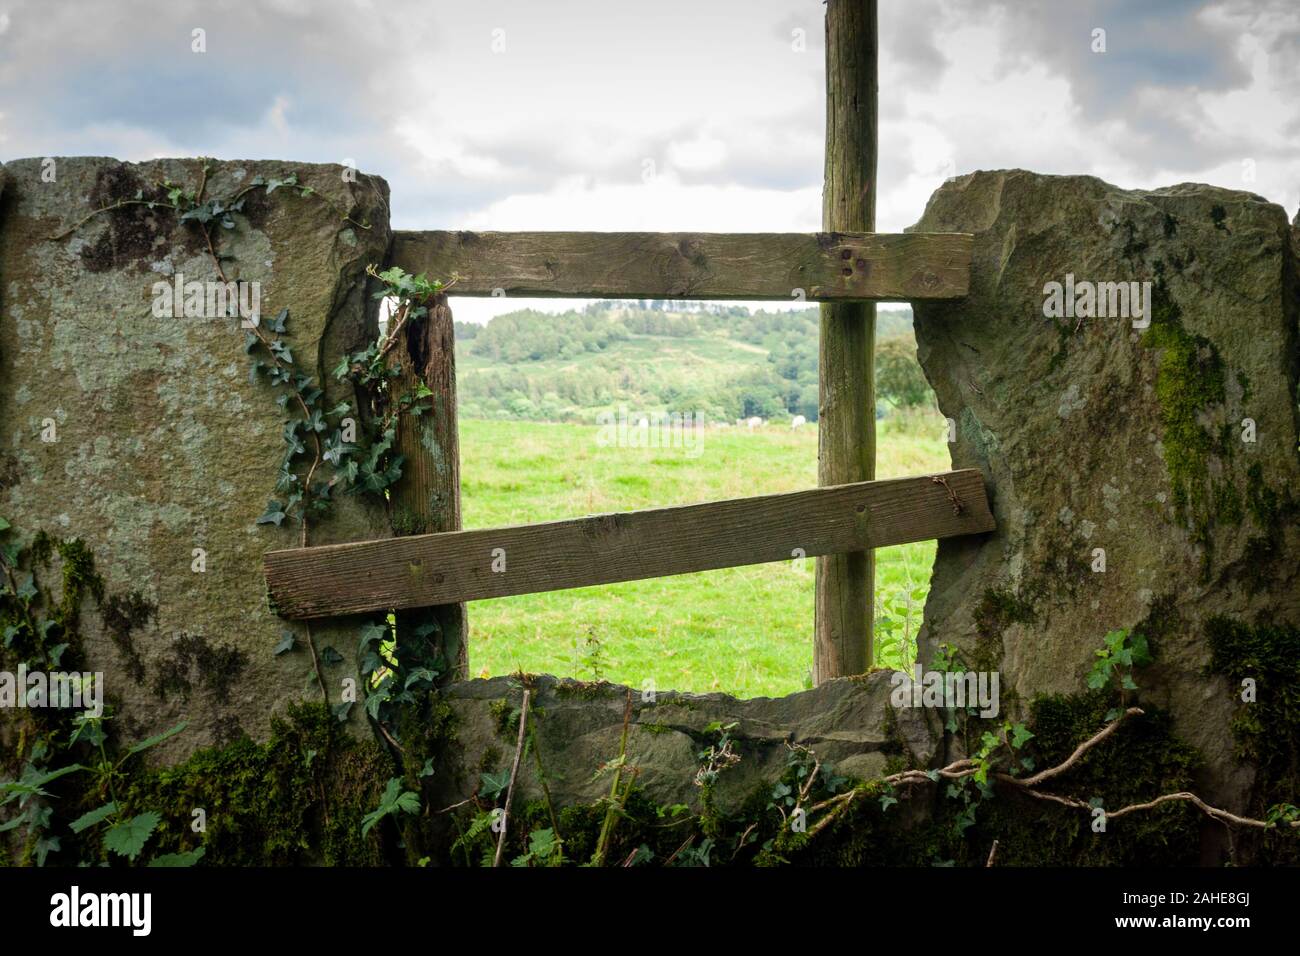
point(41, 633)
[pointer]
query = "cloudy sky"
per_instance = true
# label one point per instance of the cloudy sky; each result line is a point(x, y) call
point(676, 114)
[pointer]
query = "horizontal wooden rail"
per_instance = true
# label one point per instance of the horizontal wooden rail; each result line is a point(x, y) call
point(433, 569)
point(823, 266)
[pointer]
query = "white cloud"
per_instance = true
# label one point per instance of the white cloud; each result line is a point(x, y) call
point(662, 204)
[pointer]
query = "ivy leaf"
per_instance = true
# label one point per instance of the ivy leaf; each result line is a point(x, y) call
point(129, 837)
point(420, 673)
point(330, 656)
point(4, 525)
point(282, 351)
point(43, 847)
point(281, 317)
point(274, 513)
point(887, 801)
point(1020, 736)
point(342, 710)
point(370, 663)
point(287, 642)
point(492, 784)
point(371, 633)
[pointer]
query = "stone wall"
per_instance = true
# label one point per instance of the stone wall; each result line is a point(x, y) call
point(1098, 435)
point(847, 723)
point(144, 436)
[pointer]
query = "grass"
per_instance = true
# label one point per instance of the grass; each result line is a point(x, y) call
point(746, 631)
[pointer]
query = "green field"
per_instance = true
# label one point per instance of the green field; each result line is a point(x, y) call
point(746, 631)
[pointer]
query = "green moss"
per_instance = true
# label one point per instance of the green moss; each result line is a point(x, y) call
point(79, 579)
point(1271, 512)
point(405, 521)
point(583, 690)
point(1189, 379)
point(1263, 502)
point(298, 798)
point(1227, 504)
point(997, 610)
point(1142, 760)
point(1266, 730)
point(1243, 380)
point(505, 717)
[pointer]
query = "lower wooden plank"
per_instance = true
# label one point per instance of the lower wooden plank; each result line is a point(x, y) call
point(457, 566)
point(823, 266)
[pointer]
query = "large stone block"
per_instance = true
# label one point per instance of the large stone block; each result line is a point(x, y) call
point(1095, 434)
point(164, 445)
point(849, 723)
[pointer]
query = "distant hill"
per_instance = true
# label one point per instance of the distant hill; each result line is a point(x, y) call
point(726, 362)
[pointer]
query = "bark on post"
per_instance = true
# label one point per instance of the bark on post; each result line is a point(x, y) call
point(846, 431)
point(426, 498)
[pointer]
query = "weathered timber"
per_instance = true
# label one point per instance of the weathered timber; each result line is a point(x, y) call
point(846, 424)
point(426, 498)
point(826, 266)
point(846, 420)
point(472, 565)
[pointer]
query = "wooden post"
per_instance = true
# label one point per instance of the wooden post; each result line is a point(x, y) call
point(426, 499)
point(846, 431)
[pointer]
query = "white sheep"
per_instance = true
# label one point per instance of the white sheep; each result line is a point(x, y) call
point(797, 421)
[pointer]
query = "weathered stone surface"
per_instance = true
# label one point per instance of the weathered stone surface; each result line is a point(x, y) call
point(848, 723)
point(1095, 434)
point(164, 445)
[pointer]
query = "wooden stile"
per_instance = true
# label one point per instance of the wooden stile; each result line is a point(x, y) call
point(844, 591)
point(824, 266)
point(449, 568)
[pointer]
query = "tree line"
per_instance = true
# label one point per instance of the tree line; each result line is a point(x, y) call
point(514, 358)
